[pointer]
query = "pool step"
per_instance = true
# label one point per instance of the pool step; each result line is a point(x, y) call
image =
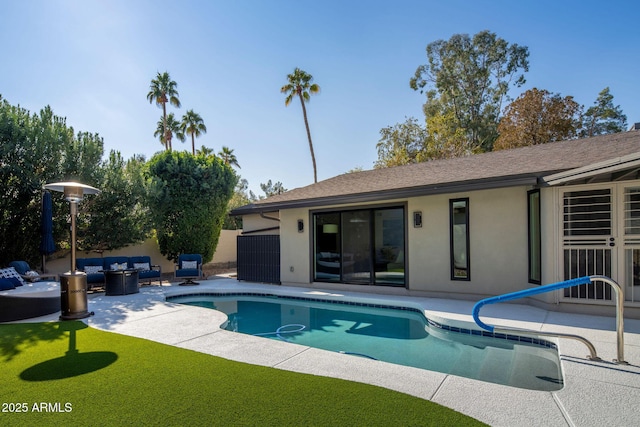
point(497, 366)
point(536, 368)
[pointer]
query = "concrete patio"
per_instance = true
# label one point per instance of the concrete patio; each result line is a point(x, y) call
point(595, 393)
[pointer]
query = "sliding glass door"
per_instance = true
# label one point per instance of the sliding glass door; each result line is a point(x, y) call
point(363, 246)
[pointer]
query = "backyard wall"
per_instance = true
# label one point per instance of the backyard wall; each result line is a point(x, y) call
point(225, 254)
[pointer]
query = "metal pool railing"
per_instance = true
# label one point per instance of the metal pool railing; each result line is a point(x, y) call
point(552, 287)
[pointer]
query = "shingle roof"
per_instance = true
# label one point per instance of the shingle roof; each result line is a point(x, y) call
point(519, 166)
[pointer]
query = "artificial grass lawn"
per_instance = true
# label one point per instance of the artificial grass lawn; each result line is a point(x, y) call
point(91, 377)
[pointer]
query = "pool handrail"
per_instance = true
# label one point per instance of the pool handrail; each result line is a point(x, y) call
point(556, 286)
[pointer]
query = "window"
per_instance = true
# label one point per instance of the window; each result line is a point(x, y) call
point(459, 238)
point(361, 246)
point(534, 232)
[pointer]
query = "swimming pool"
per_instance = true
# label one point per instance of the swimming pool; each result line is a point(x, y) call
point(397, 335)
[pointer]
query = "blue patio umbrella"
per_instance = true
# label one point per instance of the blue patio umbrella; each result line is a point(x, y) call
point(47, 245)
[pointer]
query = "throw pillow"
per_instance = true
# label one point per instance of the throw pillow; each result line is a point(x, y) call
point(92, 269)
point(144, 266)
point(5, 284)
point(32, 276)
point(120, 266)
point(189, 264)
point(11, 272)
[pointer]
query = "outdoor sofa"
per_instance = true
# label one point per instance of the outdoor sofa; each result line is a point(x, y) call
point(147, 272)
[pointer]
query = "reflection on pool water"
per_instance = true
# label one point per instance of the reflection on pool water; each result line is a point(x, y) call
point(403, 337)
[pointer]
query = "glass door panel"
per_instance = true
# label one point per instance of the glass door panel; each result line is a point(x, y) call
point(389, 246)
point(356, 246)
point(327, 247)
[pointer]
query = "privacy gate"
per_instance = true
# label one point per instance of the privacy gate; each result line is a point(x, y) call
point(259, 258)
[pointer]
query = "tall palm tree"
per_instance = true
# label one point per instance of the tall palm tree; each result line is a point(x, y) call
point(193, 125)
point(227, 156)
point(167, 128)
point(301, 84)
point(163, 90)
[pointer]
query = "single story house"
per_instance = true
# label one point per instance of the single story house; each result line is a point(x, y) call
point(465, 228)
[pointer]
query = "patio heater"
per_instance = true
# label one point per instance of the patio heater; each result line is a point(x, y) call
point(73, 284)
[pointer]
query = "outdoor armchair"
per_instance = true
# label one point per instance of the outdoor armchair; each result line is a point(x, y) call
point(188, 267)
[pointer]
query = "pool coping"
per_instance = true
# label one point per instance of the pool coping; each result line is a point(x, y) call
point(595, 393)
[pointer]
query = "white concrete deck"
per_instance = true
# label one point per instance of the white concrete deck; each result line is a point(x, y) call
point(595, 393)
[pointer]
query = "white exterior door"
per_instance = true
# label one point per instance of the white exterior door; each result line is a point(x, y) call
point(589, 240)
point(600, 234)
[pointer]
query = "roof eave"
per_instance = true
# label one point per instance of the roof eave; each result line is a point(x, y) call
point(397, 193)
point(630, 161)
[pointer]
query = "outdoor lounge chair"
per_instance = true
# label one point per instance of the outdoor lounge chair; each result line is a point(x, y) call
point(23, 269)
point(188, 267)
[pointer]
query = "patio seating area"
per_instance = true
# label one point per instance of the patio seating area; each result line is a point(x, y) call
point(595, 393)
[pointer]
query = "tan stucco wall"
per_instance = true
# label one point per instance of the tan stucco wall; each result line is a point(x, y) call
point(295, 252)
point(226, 252)
point(257, 225)
point(227, 249)
point(498, 243)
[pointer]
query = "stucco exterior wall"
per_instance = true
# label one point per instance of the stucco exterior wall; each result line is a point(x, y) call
point(497, 243)
point(295, 252)
point(255, 224)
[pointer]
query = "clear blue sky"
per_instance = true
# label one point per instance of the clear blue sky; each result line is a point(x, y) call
point(92, 62)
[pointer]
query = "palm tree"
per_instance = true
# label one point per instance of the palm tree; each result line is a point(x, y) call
point(204, 151)
point(163, 90)
point(193, 125)
point(301, 84)
point(167, 128)
point(227, 156)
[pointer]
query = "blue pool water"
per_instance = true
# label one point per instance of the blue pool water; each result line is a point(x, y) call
point(403, 337)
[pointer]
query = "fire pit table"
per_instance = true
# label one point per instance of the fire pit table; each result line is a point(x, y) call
point(121, 282)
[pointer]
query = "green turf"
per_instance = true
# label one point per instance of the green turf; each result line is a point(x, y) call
point(86, 376)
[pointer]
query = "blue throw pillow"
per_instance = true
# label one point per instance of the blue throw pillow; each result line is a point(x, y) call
point(6, 284)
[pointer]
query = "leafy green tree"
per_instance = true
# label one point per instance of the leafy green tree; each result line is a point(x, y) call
point(400, 144)
point(29, 157)
point(240, 198)
point(603, 117)
point(192, 124)
point(118, 216)
point(273, 189)
point(81, 158)
point(468, 79)
point(227, 156)
point(163, 90)
point(36, 149)
point(445, 140)
point(167, 128)
point(301, 84)
point(188, 198)
point(538, 117)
